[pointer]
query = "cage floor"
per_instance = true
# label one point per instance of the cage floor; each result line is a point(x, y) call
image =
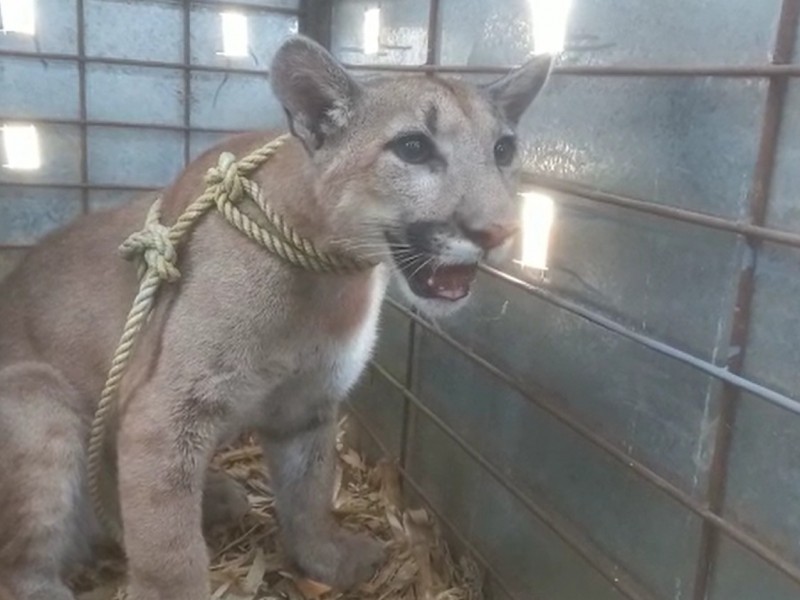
point(246, 558)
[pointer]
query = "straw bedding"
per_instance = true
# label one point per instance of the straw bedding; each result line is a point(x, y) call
point(246, 558)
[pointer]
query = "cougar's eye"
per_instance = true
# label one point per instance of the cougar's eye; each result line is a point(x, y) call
point(504, 151)
point(414, 148)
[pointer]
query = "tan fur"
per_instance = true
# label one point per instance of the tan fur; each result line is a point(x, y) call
point(243, 341)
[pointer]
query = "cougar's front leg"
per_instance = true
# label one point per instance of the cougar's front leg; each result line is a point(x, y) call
point(164, 449)
point(303, 469)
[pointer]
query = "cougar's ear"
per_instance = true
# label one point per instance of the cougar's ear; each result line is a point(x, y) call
point(316, 92)
point(514, 92)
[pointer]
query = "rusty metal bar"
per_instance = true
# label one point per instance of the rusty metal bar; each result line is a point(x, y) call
point(363, 422)
point(568, 533)
point(744, 71)
point(553, 406)
point(658, 346)
point(130, 62)
point(84, 132)
point(750, 229)
point(726, 405)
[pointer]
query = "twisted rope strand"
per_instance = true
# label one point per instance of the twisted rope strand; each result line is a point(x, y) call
point(154, 249)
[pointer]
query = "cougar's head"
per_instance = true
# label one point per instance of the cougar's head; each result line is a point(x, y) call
point(418, 171)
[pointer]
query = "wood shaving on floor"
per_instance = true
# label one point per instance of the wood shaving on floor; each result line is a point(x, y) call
point(246, 559)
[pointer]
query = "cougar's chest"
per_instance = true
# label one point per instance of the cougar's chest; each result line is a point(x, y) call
point(348, 328)
point(315, 364)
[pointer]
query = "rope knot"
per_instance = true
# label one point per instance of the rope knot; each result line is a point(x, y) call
point(153, 246)
point(227, 179)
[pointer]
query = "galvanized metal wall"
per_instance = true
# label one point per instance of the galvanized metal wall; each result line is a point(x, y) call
point(628, 428)
point(124, 93)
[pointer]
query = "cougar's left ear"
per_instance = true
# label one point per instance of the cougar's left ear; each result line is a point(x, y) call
point(514, 92)
point(316, 92)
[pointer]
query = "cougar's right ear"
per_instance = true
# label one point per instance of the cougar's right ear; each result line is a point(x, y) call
point(316, 92)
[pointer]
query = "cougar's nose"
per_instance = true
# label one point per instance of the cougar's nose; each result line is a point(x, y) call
point(491, 236)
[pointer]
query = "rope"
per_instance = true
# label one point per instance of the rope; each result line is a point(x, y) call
point(154, 248)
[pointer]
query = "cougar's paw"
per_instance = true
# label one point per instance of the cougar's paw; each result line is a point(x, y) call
point(224, 500)
point(342, 562)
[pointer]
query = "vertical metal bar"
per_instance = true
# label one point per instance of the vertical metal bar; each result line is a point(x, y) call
point(84, 129)
point(433, 32)
point(729, 395)
point(187, 80)
point(409, 415)
point(363, 422)
point(568, 532)
point(409, 412)
point(315, 20)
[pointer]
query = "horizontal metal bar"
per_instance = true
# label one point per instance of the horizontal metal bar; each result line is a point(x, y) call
point(547, 183)
point(769, 234)
point(124, 124)
point(594, 70)
point(80, 186)
point(745, 71)
point(546, 401)
point(364, 424)
point(595, 558)
point(660, 347)
point(131, 62)
point(244, 6)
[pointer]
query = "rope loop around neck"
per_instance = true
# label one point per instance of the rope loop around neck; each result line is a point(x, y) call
point(155, 249)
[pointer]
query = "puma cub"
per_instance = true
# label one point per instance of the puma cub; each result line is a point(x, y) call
point(416, 174)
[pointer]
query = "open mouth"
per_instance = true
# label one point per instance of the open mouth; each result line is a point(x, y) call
point(428, 278)
point(445, 282)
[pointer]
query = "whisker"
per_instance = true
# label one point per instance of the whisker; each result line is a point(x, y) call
point(424, 264)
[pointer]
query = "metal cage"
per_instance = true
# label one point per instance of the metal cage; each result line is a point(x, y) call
point(698, 503)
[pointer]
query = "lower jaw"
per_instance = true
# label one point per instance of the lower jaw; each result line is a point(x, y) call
point(433, 306)
point(451, 299)
point(450, 288)
point(436, 308)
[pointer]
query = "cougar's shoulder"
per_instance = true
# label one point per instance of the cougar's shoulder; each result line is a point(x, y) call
point(64, 301)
